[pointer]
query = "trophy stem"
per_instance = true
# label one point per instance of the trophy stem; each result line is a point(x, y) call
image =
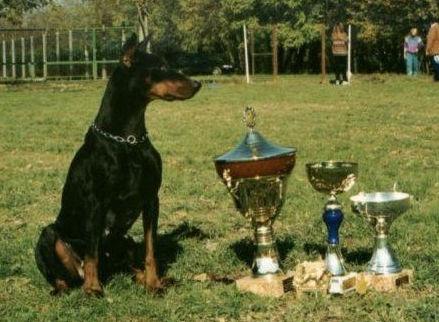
point(383, 259)
point(333, 217)
point(266, 259)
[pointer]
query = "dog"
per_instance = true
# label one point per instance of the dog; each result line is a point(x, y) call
point(114, 177)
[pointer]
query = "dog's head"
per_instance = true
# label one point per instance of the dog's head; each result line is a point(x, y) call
point(150, 74)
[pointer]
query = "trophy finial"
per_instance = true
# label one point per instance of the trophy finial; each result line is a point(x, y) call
point(250, 117)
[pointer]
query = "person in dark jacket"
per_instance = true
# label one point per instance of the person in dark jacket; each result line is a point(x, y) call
point(339, 39)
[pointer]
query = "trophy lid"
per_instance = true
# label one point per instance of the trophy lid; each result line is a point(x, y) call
point(254, 148)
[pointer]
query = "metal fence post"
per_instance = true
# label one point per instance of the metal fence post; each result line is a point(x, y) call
point(57, 46)
point(95, 64)
point(247, 73)
point(274, 45)
point(14, 73)
point(123, 37)
point(44, 56)
point(4, 58)
point(87, 76)
point(252, 50)
point(104, 42)
point(57, 53)
point(323, 54)
point(349, 71)
point(71, 52)
point(23, 58)
point(32, 58)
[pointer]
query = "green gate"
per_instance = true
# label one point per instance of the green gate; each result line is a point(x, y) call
point(90, 53)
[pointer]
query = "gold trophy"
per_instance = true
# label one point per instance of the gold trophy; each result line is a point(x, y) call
point(332, 178)
point(256, 174)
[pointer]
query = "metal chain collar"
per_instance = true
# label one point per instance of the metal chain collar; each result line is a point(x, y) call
point(130, 139)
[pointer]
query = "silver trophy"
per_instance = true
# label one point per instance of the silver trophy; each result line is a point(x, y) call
point(380, 209)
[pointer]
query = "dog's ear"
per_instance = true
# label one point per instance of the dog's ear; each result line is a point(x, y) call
point(144, 43)
point(128, 50)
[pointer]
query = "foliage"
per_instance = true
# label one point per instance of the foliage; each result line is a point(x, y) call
point(214, 27)
point(14, 10)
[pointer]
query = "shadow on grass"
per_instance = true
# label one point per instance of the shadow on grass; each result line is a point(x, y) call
point(245, 248)
point(168, 246)
point(126, 254)
point(314, 249)
point(359, 256)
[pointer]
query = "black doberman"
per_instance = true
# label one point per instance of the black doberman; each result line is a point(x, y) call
point(113, 178)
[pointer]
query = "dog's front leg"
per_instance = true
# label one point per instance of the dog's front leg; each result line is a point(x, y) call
point(92, 284)
point(149, 277)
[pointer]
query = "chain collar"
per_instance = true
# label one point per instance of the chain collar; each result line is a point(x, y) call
point(130, 139)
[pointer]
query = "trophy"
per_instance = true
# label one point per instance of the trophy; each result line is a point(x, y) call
point(380, 209)
point(332, 178)
point(256, 174)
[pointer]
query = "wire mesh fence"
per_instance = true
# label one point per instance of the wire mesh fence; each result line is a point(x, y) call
point(28, 54)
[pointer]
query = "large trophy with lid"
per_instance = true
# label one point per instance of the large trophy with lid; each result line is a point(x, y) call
point(256, 174)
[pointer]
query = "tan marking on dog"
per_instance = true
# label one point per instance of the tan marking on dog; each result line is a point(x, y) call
point(68, 258)
point(92, 284)
point(177, 89)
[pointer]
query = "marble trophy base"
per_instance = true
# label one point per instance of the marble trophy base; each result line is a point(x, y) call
point(271, 285)
point(311, 277)
point(386, 282)
point(343, 284)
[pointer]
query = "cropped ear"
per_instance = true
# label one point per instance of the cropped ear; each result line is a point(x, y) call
point(142, 47)
point(128, 50)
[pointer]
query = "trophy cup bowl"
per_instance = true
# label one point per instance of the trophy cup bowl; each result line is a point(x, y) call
point(380, 209)
point(332, 178)
point(255, 174)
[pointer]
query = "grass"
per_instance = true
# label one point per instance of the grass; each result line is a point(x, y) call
point(389, 124)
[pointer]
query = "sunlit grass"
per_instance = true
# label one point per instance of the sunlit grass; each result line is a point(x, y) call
point(388, 124)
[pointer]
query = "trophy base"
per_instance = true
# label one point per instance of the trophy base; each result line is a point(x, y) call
point(311, 277)
point(387, 282)
point(272, 285)
point(342, 284)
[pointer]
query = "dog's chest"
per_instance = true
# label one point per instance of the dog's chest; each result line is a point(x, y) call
point(119, 222)
point(125, 209)
point(138, 180)
point(128, 201)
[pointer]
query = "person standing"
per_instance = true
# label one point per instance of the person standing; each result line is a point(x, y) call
point(412, 45)
point(339, 39)
point(432, 49)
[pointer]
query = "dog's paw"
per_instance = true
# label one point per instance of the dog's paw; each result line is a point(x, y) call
point(93, 290)
point(60, 288)
point(152, 284)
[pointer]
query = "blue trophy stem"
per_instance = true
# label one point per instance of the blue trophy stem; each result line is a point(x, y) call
point(333, 217)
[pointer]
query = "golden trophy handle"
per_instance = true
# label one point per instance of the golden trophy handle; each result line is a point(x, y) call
point(229, 183)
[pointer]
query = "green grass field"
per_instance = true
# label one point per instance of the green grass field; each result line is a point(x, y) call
point(389, 124)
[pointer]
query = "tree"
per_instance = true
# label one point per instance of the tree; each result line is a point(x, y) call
point(14, 10)
point(214, 27)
